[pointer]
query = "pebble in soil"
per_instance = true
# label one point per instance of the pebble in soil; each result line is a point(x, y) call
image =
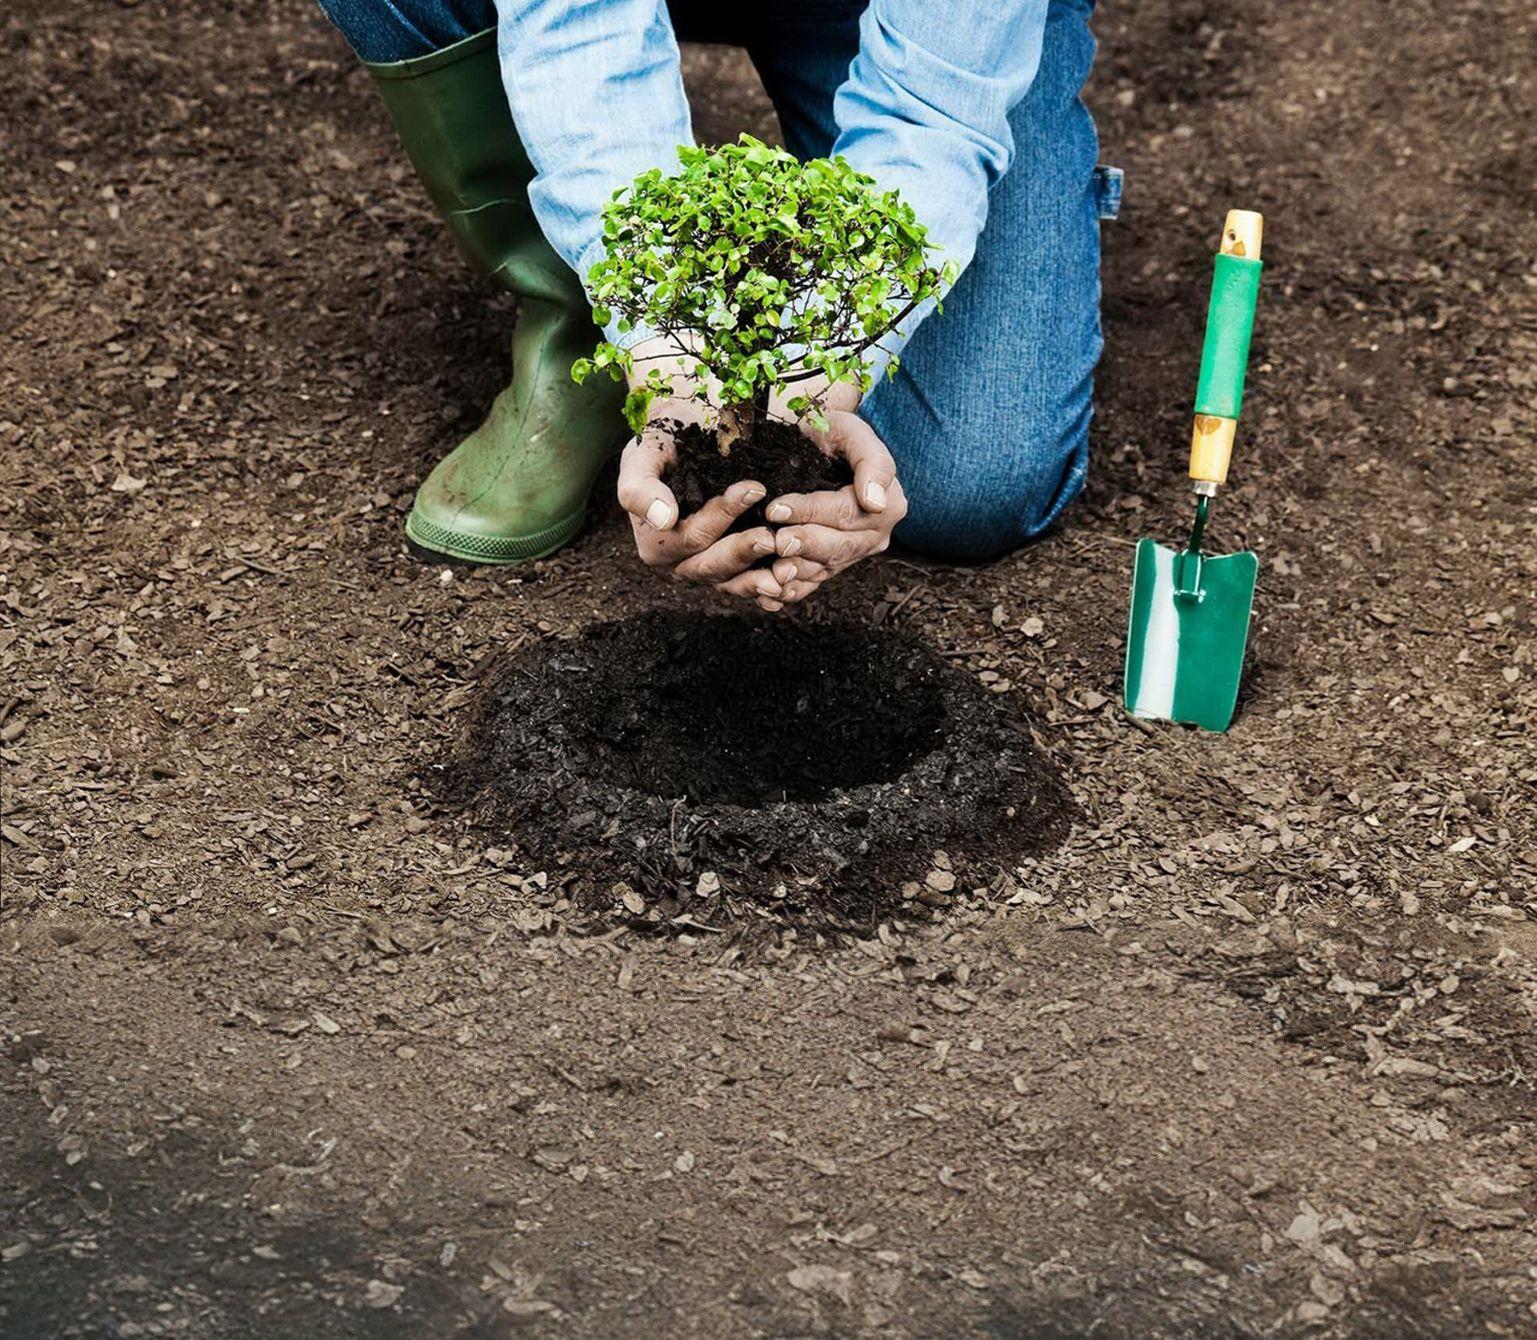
point(688, 763)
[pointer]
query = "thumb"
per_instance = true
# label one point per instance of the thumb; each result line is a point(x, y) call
point(875, 471)
point(641, 491)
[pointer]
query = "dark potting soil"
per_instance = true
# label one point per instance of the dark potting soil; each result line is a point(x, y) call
point(818, 767)
point(778, 455)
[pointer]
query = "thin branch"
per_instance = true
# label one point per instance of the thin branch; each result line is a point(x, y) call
point(861, 347)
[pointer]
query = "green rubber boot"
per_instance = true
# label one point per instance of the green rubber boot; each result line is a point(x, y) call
point(517, 487)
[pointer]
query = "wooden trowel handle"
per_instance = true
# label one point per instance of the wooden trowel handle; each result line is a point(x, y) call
point(1225, 358)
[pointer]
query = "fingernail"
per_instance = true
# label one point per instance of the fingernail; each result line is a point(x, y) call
point(779, 512)
point(792, 547)
point(763, 546)
point(659, 515)
point(753, 495)
point(772, 590)
point(875, 495)
point(772, 606)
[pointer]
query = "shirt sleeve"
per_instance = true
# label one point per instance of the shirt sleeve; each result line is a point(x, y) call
point(596, 92)
point(925, 111)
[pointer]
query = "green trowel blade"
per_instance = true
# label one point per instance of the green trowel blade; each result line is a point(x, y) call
point(1189, 624)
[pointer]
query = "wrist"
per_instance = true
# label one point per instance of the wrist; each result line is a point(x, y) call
point(831, 396)
point(678, 369)
point(844, 396)
point(679, 410)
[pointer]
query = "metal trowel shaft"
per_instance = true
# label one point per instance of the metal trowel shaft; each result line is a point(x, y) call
point(1198, 526)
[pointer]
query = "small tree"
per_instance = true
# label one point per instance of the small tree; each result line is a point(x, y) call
point(767, 270)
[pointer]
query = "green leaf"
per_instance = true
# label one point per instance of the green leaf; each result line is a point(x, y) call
point(637, 405)
point(762, 264)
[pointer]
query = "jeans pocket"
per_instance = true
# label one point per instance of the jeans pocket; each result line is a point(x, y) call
point(1109, 184)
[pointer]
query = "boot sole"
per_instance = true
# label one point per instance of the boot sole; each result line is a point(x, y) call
point(433, 543)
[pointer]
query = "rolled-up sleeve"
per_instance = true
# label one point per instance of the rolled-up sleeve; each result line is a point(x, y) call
point(596, 92)
point(925, 111)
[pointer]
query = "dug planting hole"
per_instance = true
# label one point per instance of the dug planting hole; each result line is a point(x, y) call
point(680, 762)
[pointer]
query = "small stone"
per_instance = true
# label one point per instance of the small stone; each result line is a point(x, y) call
point(941, 881)
point(1328, 1292)
point(527, 1307)
point(378, 1294)
point(1304, 1228)
point(823, 1279)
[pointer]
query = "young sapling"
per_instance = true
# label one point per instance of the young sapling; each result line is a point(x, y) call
point(773, 275)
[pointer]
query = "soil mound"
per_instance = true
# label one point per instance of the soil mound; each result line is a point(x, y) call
point(690, 761)
point(778, 455)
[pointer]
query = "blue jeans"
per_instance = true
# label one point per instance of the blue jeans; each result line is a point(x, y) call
point(988, 415)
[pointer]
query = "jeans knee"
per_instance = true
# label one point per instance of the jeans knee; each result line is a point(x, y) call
point(984, 500)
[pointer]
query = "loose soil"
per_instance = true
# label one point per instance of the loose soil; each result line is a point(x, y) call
point(290, 1053)
point(673, 763)
point(777, 455)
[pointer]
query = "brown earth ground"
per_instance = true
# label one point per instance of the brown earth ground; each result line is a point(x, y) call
point(288, 1054)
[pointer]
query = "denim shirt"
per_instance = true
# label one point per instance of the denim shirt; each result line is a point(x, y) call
point(596, 92)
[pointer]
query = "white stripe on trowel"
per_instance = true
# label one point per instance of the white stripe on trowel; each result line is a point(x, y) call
point(1155, 690)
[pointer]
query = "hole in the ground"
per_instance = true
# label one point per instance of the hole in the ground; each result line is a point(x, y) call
point(694, 761)
point(745, 713)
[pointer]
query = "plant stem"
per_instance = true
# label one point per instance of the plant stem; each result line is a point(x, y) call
point(736, 423)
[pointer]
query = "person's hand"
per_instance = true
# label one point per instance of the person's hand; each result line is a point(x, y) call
point(694, 548)
point(820, 534)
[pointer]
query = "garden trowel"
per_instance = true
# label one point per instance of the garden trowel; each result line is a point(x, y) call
point(1189, 611)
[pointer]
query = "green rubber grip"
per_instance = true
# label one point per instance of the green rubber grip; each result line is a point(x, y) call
point(1229, 324)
